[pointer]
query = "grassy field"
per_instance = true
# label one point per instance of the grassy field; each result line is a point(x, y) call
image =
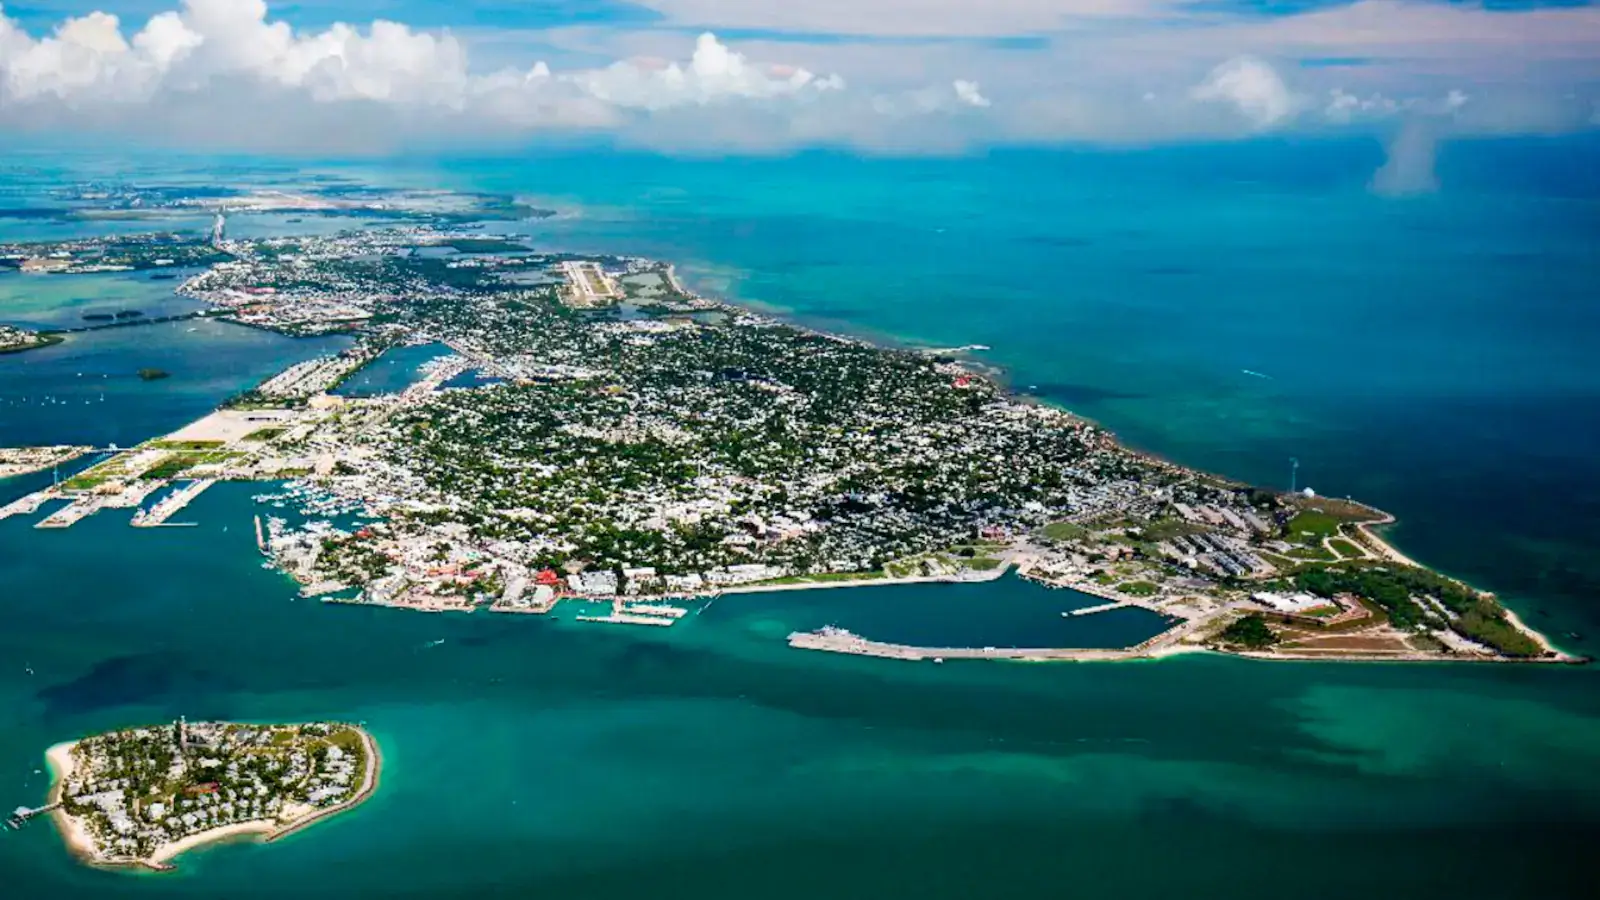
point(1313, 524)
point(1345, 548)
point(1315, 554)
point(181, 462)
point(1138, 588)
point(1063, 531)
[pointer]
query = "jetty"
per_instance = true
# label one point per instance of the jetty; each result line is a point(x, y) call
point(171, 504)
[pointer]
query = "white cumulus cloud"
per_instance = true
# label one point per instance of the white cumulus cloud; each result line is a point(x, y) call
point(1252, 87)
point(206, 65)
point(968, 93)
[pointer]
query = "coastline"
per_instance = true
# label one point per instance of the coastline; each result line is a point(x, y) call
point(82, 845)
point(160, 860)
point(994, 574)
point(59, 761)
point(370, 779)
point(1366, 531)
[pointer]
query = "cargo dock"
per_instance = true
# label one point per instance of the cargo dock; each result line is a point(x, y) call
point(838, 640)
point(171, 504)
point(72, 513)
point(27, 506)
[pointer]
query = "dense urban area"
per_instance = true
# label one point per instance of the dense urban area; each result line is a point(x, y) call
point(586, 427)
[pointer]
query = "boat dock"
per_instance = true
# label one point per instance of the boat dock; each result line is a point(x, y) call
point(22, 814)
point(171, 504)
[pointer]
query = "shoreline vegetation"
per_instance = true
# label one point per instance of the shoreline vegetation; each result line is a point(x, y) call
point(85, 848)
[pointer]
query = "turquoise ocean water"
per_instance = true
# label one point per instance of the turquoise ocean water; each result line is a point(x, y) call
point(1429, 356)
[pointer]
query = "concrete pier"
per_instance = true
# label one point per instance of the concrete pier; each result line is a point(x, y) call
point(71, 514)
point(134, 494)
point(837, 640)
point(171, 504)
point(27, 506)
point(628, 619)
point(1091, 610)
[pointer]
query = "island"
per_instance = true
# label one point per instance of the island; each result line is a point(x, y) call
point(153, 374)
point(16, 340)
point(143, 796)
point(21, 461)
point(588, 428)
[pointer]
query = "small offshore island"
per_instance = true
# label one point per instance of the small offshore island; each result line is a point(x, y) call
point(143, 796)
point(16, 340)
point(589, 429)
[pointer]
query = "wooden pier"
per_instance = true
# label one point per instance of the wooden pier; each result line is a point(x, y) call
point(20, 816)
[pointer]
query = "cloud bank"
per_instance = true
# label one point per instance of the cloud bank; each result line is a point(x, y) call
point(891, 75)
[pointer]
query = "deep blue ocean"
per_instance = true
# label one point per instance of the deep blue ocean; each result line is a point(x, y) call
point(1430, 355)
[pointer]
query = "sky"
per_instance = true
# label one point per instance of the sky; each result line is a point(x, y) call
point(760, 76)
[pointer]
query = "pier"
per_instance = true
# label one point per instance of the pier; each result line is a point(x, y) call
point(171, 504)
point(625, 613)
point(627, 619)
point(134, 494)
point(72, 513)
point(26, 506)
point(838, 640)
point(20, 816)
point(1091, 610)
